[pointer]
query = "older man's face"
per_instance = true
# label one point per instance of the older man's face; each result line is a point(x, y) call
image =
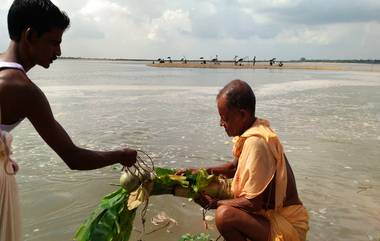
point(231, 119)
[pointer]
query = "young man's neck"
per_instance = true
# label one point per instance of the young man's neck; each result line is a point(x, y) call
point(17, 53)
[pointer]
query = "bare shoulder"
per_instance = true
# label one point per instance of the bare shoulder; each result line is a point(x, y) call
point(13, 75)
point(15, 82)
point(18, 93)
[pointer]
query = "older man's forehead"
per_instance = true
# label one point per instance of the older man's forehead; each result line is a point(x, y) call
point(222, 100)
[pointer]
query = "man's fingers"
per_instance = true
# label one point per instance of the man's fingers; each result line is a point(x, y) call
point(130, 157)
point(180, 172)
point(205, 201)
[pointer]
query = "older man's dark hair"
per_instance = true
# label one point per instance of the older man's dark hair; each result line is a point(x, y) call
point(239, 95)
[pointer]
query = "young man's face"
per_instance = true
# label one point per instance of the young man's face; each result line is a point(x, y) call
point(47, 47)
point(233, 120)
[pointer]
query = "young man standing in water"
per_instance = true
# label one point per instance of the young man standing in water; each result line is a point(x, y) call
point(35, 29)
point(266, 205)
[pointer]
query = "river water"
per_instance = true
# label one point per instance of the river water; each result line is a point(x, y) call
point(328, 121)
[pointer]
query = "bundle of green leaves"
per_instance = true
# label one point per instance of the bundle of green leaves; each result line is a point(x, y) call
point(112, 219)
point(195, 237)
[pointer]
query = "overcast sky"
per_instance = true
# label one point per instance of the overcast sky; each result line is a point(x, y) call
point(286, 29)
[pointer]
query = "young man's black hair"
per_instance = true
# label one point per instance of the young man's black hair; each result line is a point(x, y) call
point(39, 15)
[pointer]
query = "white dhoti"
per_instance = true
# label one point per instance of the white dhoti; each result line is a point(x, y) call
point(10, 225)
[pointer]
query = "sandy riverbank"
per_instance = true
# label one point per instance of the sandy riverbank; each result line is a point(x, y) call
point(262, 65)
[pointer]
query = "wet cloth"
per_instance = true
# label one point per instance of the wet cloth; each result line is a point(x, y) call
point(260, 159)
point(10, 225)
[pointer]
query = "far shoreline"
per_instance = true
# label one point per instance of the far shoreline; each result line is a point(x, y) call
point(259, 65)
point(265, 65)
point(327, 65)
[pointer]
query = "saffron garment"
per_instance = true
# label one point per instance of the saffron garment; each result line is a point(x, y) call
point(260, 159)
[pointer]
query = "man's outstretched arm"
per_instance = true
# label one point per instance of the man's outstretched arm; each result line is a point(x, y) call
point(38, 111)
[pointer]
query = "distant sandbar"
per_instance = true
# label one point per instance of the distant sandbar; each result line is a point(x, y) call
point(262, 65)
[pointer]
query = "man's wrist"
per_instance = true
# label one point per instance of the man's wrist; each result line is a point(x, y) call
point(219, 203)
point(173, 190)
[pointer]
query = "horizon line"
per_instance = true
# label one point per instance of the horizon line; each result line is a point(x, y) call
point(302, 59)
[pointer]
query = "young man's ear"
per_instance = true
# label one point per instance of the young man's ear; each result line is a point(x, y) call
point(30, 35)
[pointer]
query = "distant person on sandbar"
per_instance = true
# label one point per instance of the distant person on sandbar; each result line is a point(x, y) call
point(272, 61)
point(266, 205)
point(35, 29)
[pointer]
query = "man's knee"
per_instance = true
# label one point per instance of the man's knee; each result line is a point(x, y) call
point(224, 217)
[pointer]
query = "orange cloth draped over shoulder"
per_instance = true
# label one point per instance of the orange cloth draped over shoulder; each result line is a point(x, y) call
point(260, 159)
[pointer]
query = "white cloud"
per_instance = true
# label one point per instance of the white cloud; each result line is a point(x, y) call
point(265, 4)
point(257, 18)
point(284, 3)
point(286, 28)
point(5, 5)
point(309, 36)
point(207, 8)
point(172, 23)
point(103, 11)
